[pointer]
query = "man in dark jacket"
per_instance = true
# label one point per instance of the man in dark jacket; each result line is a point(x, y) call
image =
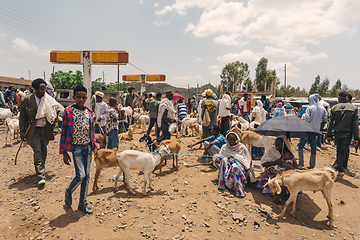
point(344, 118)
point(40, 130)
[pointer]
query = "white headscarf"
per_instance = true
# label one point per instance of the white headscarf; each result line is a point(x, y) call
point(238, 151)
point(165, 104)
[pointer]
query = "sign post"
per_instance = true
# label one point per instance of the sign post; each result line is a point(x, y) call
point(87, 59)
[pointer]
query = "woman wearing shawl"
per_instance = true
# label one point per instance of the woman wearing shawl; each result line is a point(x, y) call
point(279, 110)
point(235, 165)
point(258, 113)
point(211, 106)
point(278, 158)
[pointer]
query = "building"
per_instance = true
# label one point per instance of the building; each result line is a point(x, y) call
point(16, 82)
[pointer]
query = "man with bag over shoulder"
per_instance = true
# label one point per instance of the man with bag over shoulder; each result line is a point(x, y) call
point(209, 110)
point(166, 115)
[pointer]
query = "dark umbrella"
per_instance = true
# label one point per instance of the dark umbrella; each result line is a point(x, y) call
point(291, 127)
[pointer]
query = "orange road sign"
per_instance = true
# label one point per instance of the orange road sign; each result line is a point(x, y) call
point(110, 57)
point(97, 57)
point(131, 78)
point(65, 57)
point(155, 78)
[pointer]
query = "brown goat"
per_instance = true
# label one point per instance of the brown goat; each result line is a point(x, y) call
point(174, 146)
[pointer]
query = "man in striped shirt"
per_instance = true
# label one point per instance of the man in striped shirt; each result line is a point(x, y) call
point(181, 112)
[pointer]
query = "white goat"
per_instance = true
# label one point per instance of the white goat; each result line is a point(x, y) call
point(143, 161)
point(12, 127)
point(5, 113)
point(143, 120)
point(185, 123)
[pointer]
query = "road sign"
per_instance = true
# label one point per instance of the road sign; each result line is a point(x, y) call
point(97, 57)
point(131, 78)
point(155, 78)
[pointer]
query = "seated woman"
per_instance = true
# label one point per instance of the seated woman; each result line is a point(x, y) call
point(235, 165)
point(278, 158)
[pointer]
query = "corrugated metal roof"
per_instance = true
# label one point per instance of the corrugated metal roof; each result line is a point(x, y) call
point(18, 81)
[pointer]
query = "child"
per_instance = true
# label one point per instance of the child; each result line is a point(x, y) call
point(112, 124)
point(78, 137)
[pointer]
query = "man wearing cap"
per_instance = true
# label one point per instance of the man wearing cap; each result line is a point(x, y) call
point(244, 105)
point(129, 100)
point(211, 106)
point(344, 121)
point(166, 115)
point(100, 114)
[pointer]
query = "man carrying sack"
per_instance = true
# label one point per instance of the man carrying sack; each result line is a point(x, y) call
point(38, 113)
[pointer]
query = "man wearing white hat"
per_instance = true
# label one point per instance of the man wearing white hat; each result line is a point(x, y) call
point(100, 113)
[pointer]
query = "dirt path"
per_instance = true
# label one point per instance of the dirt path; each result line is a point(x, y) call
point(186, 204)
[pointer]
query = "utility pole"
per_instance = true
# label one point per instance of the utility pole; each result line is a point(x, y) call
point(209, 82)
point(188, 91)
point(285, 81)
point(118, 78)
point(29, 75)
point(52, 76)
point(44, 75)
point(103, 79)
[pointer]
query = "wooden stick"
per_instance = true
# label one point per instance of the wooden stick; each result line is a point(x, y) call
point(17, 153)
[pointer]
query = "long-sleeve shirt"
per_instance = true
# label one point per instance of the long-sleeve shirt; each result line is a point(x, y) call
point(67, 130)
point(344, 117)
point(315, 114)
point(100, 112)
point(154, 108)
point(112, 119)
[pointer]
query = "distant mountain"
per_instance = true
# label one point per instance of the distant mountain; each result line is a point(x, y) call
point(162, 87)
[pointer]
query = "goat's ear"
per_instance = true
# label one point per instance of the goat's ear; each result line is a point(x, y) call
point(277, 185)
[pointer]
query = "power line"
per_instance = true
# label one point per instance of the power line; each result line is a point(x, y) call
point(14, 15)
point(137, 68)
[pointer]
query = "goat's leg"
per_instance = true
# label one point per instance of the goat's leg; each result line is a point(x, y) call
point(174, 160)
point(150, 182)
point(177, 162)
point(291, 199)
point(160, 164)
point(97, 174)
point(292, 213)
point(327, 196)
point(145, 181)
point(117, 177)
point(127, 173)
point(11, 138)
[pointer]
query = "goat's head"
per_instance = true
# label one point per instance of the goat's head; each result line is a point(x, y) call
point(164, 149)
point(274, 184)
point(145, 138)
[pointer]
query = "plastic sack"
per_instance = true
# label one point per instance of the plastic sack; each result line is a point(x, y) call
point(172, 127)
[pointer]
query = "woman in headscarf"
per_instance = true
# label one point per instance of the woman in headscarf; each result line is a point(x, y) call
point(235, 165)
point(279, 110)
point(208, 106)
point(278, 158)
point(258, 113)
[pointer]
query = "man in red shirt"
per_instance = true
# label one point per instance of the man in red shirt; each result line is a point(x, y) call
point(244, 105)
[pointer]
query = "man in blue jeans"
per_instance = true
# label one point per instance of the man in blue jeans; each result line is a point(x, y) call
point(78, 137)
point(315, 115)
point(344, 121)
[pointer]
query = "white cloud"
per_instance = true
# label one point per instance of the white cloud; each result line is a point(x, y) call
point(156, 5)
point(199, 59)
point(246, 56)
point(23, 45)
point(2, 35)
point(160, 23)
point(300, 56)
point(180, 6)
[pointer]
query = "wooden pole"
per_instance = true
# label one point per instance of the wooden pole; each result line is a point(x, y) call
point(118, 78)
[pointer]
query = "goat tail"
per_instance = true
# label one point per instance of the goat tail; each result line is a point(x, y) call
point(332, 172)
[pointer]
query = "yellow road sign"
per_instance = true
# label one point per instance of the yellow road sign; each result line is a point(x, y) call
point(131, 77)
point(155, 78)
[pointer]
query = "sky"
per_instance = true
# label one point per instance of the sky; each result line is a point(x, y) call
point(189, 41)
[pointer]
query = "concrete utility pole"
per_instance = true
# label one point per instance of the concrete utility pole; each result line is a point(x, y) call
point(29, 75)
point(118, 79)
point(285, 81)
point(87, 60)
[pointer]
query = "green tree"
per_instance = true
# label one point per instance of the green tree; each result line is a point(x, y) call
point(323, 87)
point(249, 84)
point(233, 74)
point(270, 79)
point(335, 89)
point(113, 87)
point(315, 85)
point(261, 73)
point(67, 80)
point(97, 84)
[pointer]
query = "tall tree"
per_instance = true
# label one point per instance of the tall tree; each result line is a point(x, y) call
point(270, 80)
point(67, 80)
point(233, 74)
point(335, 89)
point(323, 87)
point(249, 85)
point(315, 85)
point(260, 73)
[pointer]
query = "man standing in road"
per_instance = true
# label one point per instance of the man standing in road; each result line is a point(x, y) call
point(344, 121)
point(224, 113)
point(315, 115)
point(166, 115)
point(154, 109)
point(244, 105)
point(40, 131)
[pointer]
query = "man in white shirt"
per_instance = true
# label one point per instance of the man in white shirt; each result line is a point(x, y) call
point(100, 113)
point(224, 113)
